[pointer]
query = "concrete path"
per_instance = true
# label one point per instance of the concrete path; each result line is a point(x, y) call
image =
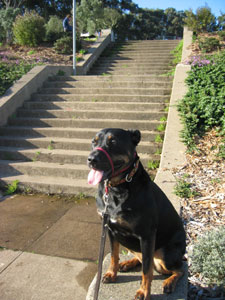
point(54, 246)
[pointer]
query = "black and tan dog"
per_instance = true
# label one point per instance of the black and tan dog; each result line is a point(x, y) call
point(141, 217)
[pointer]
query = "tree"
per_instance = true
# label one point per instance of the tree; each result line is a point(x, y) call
point(202, 21)
point(11, 3)
point(7, 17)
point(173, 22)
point(221, 21)
point(90, 15)
point(111, 18)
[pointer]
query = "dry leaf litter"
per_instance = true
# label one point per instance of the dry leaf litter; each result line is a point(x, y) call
point(205, 171)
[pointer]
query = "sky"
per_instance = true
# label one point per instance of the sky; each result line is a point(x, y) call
point(215, 5)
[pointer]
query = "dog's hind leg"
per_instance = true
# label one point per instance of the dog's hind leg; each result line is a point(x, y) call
point(176, 272)
point(111, 274)
point(131, 263)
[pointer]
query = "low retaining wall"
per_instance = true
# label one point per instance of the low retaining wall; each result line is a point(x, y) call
point(30, 83)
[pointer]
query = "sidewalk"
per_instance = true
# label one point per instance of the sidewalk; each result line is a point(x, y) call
point(54, 244)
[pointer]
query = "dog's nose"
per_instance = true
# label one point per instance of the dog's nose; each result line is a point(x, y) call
point(92, 160)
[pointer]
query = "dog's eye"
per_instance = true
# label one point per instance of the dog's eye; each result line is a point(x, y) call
point(111, 141)
point(95, 141)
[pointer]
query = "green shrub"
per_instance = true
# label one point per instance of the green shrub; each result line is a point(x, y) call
point(221, 35)
point(208, 44)
point(202, 108)
point(29, 29)
point(54, 29)
point(64, 45)
point(9, 73)
point(208, 258)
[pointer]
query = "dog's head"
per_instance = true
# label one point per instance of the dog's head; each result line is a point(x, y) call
point(113, 150)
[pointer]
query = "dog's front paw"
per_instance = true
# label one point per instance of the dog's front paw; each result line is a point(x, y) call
point(109, 277)
point(140, 295)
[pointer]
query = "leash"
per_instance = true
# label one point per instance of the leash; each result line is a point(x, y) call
point(105, 215)
point(105, 221)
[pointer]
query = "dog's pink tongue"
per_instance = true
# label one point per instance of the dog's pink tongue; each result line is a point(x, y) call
point(94, 176)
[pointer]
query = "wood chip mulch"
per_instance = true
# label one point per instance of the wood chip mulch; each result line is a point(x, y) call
point(205, 171)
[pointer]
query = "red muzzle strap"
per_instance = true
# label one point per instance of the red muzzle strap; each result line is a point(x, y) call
point(108, 156)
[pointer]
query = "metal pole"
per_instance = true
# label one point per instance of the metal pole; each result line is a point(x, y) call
point(74, 37)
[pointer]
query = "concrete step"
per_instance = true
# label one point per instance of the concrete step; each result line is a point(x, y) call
point(136, 57)
point(129, 72)
point(144, 46)
point(62, 143)
point(107, 84)
point(37, 168)
point(131, 64)
point(60, 156)
point(53, 185)
point(51, 132)
point(90, 114)
point(140, 59)
point(112, 78)
point(101, 98)
point(105, 91)
point(85, 123)
point(94, 106)
point(132, 68)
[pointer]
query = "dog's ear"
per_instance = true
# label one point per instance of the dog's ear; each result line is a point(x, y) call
point(135, 136)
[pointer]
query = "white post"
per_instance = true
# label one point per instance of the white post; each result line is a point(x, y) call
point(74, 37)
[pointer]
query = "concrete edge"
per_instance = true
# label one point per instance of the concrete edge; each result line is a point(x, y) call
point(23, 89)
point(187, 41)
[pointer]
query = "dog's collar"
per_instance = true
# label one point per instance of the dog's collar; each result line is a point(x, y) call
point(127, 178)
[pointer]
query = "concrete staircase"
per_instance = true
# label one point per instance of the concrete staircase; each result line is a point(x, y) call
point(46, 143)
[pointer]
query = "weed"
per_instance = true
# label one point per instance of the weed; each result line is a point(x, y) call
point(153, 164)
point(161, 127)
point(183, 189)
point(216, 180)
point(78, 58)
point(158, 138)
point(80, 196)
point(158, 151)
point(60, 73)
point(31, 52)
point(82, 51)
point(163, 119)
point(124, 252)
point(50, 146)
point(11, 188)
point(221, 152)
point(166, 109)
point(36, 156)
